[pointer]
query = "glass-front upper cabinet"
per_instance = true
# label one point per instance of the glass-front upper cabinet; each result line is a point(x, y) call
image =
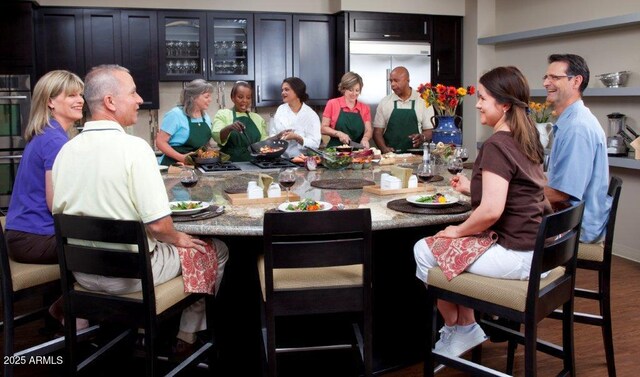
point(230, 46)
point(183, 45)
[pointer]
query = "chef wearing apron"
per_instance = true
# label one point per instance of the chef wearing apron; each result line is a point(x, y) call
point(199, 135)
point(402, 124)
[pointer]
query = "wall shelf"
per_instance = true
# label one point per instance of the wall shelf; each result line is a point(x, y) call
point(597, 92)
point(573, 28)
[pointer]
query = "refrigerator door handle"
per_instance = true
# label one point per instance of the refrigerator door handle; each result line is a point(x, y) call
point(438, 67)
point(388, 83)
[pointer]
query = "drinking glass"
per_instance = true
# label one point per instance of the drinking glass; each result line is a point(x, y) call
point(188, 178)
point(462, 153)
point(287, 178)
point(454, 166)
point(425, 173)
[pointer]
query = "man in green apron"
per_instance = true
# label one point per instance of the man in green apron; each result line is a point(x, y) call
point(199, 135)
point(402, 118)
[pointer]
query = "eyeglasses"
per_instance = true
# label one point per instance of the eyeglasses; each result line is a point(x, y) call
point(556, 77)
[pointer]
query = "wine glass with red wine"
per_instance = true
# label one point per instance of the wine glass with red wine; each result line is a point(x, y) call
point(287, 178)
point(454, 166)
point(425, 172)
point(462, 153)
point(188, 178)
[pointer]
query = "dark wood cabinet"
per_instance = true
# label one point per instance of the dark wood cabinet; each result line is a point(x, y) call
point(230, 46)
point(273, 56)
point(389, 26)
point(301, 45)
point(140, 53)
point(59, 40)
point(314, 55)
point(16, 45)
point(446, 50)
point(79, 39)
point(182, 39)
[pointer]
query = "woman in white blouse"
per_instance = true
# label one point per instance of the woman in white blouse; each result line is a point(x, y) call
point(294, 121)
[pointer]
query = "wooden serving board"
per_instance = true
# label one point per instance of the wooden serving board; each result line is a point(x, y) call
point(378, 191)
point(242, 198)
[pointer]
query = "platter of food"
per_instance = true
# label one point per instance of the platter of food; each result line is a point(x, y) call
point(436, 200)
point(306, 205)
point(187, 207)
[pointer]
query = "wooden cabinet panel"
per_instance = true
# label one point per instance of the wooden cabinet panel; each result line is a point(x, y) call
point(182, 38)
point(140, 53)
point(16, 45)
point(314, 56)
point(389, 26)
point(59, 40)
point(230, 46)
point(446, 50)
point(102, 37)
point(273, 56)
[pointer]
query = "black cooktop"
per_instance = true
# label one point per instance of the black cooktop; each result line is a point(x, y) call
point(220, 166)
point(271, 164)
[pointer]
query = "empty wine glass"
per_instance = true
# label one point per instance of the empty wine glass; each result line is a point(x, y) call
point(454, 166)
point(287, 178)
point(188, 178)
point(425, 173)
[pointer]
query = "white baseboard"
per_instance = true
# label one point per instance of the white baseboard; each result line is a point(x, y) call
point(626, 252)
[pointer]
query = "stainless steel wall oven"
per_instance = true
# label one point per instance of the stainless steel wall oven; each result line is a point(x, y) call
point(15, 102)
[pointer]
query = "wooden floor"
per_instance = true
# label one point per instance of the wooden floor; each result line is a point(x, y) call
point(590, 361)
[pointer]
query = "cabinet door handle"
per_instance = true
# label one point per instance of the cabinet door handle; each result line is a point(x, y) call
point(13, 97)
point(259, 93)
point(425, 28)
point(204, 66)
point(438, 67)
point(211, 66)
point(390, 35)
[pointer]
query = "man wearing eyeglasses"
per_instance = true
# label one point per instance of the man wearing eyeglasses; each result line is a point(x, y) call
point(578, 166)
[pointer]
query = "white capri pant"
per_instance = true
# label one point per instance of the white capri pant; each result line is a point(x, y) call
point(496, 262)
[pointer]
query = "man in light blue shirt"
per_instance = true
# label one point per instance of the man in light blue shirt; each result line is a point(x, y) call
point(578, 166)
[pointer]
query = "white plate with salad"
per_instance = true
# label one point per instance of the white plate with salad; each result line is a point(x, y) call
point(187, 207)
point(436, 200)
point(306, 205)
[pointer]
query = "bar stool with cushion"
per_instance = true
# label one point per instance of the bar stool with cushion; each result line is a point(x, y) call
point(146, 309)
point(526, 302)
point(317, 263)
point(20, 282)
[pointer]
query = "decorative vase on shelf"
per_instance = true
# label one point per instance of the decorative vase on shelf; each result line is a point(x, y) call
point(544, 129)
point(445, 129)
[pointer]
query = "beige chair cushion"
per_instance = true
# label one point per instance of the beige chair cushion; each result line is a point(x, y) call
point(309, 278)
point(508, 293)
point(167, 294)
point(591, 251)
point(30, 275)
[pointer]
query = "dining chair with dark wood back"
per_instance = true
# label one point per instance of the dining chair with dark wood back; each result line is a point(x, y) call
point(317, 263)
point(23, 282)
point(527, 302)
point(116, 248)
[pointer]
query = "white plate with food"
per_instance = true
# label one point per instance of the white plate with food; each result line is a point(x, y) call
point(436, 200)
point(306, 205)
point(187, 207)
point(163, 167)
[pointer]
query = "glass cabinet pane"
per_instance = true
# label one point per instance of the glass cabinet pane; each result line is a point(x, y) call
point(182, 46)
point(231, 46)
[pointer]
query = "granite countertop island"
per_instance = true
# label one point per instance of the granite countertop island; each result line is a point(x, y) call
point(247, 220)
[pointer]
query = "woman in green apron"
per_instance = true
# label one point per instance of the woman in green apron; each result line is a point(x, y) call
point(237, 128)
point(344, 118)
point(186, 127)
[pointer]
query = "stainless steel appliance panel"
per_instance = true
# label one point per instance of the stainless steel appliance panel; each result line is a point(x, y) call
point(15, 103)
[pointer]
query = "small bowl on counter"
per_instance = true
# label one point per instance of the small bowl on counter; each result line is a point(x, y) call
point(614, 79)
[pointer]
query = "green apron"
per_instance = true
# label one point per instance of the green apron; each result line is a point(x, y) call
point(349, 123)
point(402, 123)
point(199, 135)
point(237, 144)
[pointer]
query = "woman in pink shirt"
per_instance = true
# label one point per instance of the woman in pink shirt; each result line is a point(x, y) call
point(344, 118)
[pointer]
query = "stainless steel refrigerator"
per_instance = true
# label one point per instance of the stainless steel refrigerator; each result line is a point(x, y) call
point(375, 60)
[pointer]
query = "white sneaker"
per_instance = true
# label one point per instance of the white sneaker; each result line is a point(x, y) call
point(460, 342)
point(445, 338)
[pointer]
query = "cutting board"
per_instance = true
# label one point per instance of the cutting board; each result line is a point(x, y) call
point(242, 198)
point(378, 191)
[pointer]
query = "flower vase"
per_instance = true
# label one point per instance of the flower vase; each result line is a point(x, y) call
point(445, 129)
point(544, 129)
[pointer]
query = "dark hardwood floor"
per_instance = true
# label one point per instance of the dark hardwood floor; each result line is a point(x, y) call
point(590, 361)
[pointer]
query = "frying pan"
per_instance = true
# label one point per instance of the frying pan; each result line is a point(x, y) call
point(255, 149)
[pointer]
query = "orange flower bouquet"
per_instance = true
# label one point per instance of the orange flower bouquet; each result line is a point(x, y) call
point(444, 99)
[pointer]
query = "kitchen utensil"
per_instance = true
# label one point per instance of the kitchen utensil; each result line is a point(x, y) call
point(356, 145)
point(632, 131)
point(281, 144)
point(322, 154)
point(205, 213)
point(615, 141)
point(614, 79)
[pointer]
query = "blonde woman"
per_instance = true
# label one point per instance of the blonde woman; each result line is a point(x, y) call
point(344, 118)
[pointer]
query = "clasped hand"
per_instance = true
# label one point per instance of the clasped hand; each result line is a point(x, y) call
point(461, 184)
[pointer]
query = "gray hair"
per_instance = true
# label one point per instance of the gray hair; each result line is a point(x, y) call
point(100, 82)
point(191, 91)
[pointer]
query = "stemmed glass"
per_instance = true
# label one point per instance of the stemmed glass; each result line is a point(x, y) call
point(188, 178)
point(425, 173)
point(454, 166)
point(287, 179)
point(462, 153)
